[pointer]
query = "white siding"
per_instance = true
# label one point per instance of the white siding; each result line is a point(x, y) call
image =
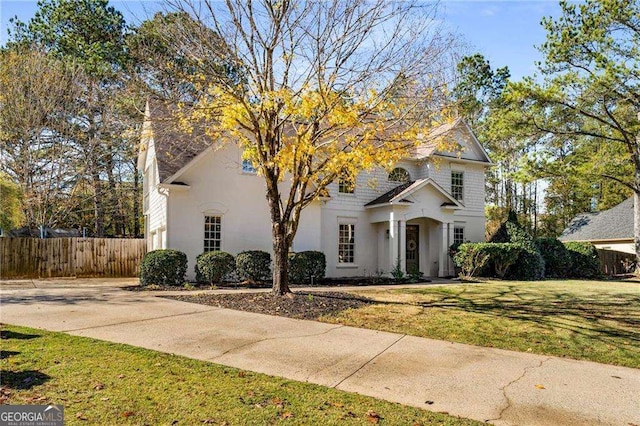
point(156, 202)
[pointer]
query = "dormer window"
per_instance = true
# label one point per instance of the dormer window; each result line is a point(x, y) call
point(399, 175)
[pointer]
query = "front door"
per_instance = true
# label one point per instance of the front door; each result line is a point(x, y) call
point(413, 248)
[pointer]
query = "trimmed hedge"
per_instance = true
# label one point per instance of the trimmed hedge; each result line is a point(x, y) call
point(585, 262)
point(557, 260)
point(163, 267)
point(253, 265)
point(212, 266)
point(307, 267)
point(477, 259)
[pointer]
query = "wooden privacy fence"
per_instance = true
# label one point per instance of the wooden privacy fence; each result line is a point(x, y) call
point(616, 262)
point(70, 257)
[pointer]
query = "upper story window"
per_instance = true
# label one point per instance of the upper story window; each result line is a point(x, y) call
point(247, 167)
point(345, 186)
point(399, 175)
point(457, 185)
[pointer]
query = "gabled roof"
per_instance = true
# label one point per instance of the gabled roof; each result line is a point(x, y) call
point(430, 146)
point(613, 224)
point(399, 193)
point(390, 195)
point(175, 148)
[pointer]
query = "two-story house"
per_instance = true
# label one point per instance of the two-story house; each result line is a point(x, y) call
point(200, 196)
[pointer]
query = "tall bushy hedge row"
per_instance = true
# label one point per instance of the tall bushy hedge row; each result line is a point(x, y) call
point(557, 260)
point(530, 261)
point(163, 267)
point(585, 262)
point(307, 267)
point(486, 259)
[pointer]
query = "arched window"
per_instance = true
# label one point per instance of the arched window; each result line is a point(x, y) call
point(399, 175)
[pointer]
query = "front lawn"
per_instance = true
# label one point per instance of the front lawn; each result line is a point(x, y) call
point(105, 383)
point(590, 320)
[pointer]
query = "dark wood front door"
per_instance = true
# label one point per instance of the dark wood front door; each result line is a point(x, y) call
point(413, 248)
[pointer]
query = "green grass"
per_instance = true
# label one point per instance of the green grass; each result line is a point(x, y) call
point(589, 320)
point(104, 383)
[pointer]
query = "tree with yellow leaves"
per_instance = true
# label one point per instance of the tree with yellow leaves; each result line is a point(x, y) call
point(316, 90)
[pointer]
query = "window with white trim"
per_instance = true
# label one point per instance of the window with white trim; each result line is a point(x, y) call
point(345, 187)
point(399, 175)
point(457, 185)
point(346, 243)
point(458, 235)
point(212, 233)
point(247, 167)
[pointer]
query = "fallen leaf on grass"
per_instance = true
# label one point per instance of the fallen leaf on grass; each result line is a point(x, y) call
point(286, 415)
point(120, 376)
point(337, 404)
point(128, 413)
point(208, 421)
point(373, 417)
point(277, 402)
point(104, 399)
point(80, 416)
point(540, 387)
point(98, 386)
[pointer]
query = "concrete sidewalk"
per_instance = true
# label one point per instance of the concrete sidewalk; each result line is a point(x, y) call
point(503, 387)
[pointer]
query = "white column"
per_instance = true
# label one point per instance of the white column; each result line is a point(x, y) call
point(444, 268)
point(393, 242)
point(450, 270)
point(402, 244)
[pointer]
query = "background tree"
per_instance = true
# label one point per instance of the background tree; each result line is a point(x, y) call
point(37, 100)
point(10, 204)
point(91, 35)
point(589, 101)
point(324, 90)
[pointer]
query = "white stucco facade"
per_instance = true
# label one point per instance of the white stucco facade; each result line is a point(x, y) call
point(413, 230)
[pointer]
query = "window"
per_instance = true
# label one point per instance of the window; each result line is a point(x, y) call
point(247, 167)
point(212, 233)
point(458, 235)
point(399, 175)
point(457, 185)
point(346, 243)
point(345, 187)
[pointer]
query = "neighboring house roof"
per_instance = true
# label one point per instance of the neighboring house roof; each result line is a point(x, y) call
point(613, 224)
point(399, 193)
point(175, 148)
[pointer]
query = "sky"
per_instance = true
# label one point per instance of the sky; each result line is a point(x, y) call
point(506, 32)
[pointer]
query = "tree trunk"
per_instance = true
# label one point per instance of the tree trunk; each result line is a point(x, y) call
point(98, 208)
point(280, 261)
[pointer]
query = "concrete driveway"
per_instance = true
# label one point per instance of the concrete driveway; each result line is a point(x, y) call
point(502, 387)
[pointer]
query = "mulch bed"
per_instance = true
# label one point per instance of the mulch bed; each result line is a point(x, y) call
point(309, 306)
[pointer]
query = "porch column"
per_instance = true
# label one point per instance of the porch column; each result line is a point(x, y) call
point(402, 244)
point(444, 266)
point(394, 244)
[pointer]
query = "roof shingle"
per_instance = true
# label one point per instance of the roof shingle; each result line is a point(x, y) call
point(613, 224)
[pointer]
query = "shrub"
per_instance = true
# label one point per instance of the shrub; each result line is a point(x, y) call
point(557, 260)
point(530, 264)
point(253, 265)
point(212, 266)
point(473, 258)
point(585, 262)
point(307, 267)
point(163, 267)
